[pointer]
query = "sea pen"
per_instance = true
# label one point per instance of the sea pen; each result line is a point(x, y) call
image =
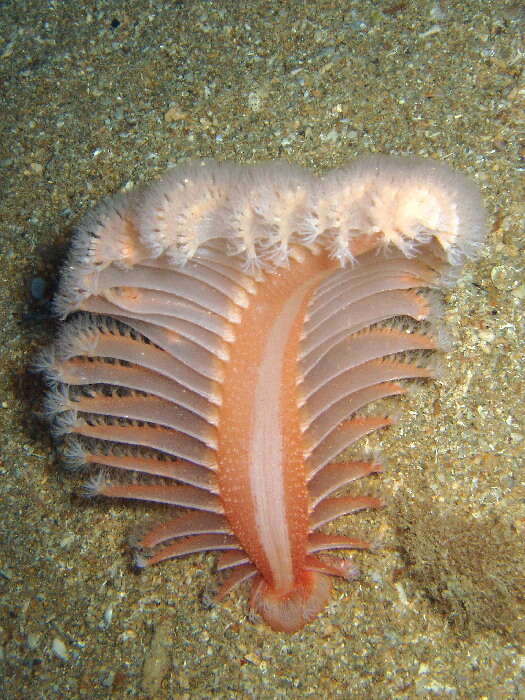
point(224, 328)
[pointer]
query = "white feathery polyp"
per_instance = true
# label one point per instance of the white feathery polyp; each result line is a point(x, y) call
point(46, 363)
point(264, 210)
point(179, 211)
point(73, 453)
point(96, 484)
point(107, 233)
point(410, 200)
point(64, 424)
point(260, 211)
point(79, 337)
point(57, 401)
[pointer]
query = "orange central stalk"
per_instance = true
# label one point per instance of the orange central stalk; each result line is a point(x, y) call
point(260, 446)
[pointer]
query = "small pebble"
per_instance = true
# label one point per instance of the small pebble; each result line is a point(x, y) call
point(38, 288)
point(401, 593)
point(501, 277)
point(519, 292)
point(254, 101)
point(486, 336)
point(108, 616)
point(59, 649)
point(32, 641)
point(174, 114)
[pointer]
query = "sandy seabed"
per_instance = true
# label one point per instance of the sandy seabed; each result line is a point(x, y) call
point(103, 97)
